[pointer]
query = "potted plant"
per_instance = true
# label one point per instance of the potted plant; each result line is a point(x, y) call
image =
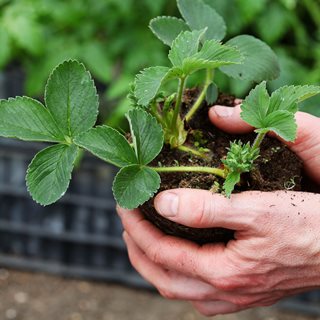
point(168, 132)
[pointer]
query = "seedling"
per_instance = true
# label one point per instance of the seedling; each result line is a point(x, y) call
point(195, 44)
point(71, 111)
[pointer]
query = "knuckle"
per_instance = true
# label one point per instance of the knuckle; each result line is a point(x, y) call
point(242, 301)
point(225, 284)
point(204, 210)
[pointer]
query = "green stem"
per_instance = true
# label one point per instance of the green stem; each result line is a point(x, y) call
point(192, 151)
point(217, 172)
point(198, 103)
point(176, 112)
point(259, 138)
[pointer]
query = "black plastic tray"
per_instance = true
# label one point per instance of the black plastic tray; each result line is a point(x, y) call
point(79, 236)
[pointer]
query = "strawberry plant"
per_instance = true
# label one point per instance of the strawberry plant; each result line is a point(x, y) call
point(70, 112)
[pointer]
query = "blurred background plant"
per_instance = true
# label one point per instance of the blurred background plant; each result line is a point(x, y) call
point(111, 37)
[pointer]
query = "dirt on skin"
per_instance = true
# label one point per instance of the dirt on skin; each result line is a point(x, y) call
point(277, 168)
point(27, 296)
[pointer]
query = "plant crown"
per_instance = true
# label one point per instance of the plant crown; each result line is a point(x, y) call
point(70, 112)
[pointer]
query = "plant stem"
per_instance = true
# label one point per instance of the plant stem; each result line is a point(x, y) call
point(197, 104)
point(259, 138)
point(192, 151)
point(176, 112)
point(217, 172)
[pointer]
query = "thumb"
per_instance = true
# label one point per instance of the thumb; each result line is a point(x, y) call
point(203, 209)
point(228, 119)
point(246, 211)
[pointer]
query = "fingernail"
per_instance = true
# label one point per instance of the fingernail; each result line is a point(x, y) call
point(223, 112)
point(167, 204)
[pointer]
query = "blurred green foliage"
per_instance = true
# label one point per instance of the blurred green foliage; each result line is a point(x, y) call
point(112, 38)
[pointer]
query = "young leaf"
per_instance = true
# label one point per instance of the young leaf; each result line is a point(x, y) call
point(282, 122)
point(199, 15)
point(72, 99)
point(255, 106)
point(49, 173)
point(275, 113)
point(133, 185)
point(260, 62)
point(167, 28)
point(185, 46)
point(212, 55)
point(27, 119)
point(148, 82)
point(287, 97)
point(107, 144)
point(147, 135)
point(231, 180)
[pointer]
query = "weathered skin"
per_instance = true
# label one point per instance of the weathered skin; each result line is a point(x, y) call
point(277, 248)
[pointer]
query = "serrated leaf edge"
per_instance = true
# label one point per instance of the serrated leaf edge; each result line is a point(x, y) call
point(96, 127)
point(151, 118)
point(162, 17)
point(17, 98)
point(27, 172)
point(65, 62)
point(139, 204)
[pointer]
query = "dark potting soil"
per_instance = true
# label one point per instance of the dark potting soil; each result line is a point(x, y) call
point(277, 168)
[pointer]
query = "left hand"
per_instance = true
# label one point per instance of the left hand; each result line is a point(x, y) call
point(275, 254)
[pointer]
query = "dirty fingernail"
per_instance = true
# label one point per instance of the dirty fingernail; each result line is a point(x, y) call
point(167, 204)
point(223, 112)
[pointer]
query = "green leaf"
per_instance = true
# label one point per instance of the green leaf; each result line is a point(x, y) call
point(275, 113)
point(107, 144)
point(27, 119)
point(260, 62)
point(255, 106)
point(287, 97)
point(148, 82)
point(134, 185)
point(185, 46)
point(72, 98)
point(167, 28)
point(49, 173)
point(231, 180)
point(282, 122)
point(212, 55)
point(199, 15)
point(147, 135)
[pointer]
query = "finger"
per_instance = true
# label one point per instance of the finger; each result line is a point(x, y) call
point(170, 284)
point(248, 211)
point(212, 308)
point(171, 252)
point(307, 144)
point(203, 209)
point(228, 119)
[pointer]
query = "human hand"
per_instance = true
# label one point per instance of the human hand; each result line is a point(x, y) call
point(306, 146)
point(267, 261)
